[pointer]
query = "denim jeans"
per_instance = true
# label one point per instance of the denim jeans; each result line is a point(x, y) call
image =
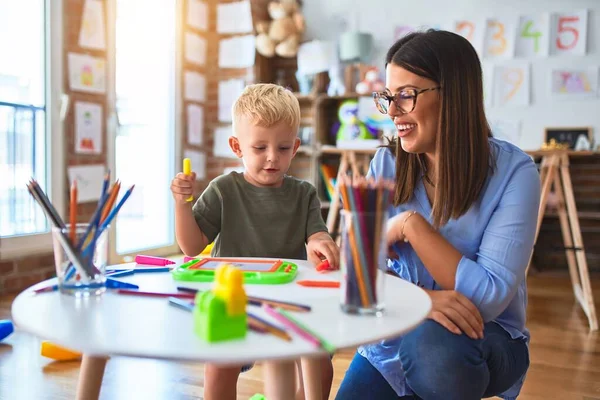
point(439, 364)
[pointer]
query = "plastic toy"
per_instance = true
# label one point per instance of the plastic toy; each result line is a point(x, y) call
point(255, 271)
point(58, 353)
point(350, 127)
point(371, 83)
point(220, 314)
point(6, 328)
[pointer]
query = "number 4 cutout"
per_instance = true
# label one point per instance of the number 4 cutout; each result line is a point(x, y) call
point(569, 33)
point(533, 36)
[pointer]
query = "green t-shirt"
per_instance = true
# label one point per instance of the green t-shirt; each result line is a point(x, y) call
point(249, 221)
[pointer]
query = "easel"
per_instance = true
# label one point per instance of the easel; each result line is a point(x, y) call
point(554, 172)
point(356, 161)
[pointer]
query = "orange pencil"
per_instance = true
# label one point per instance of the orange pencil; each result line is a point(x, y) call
point(111, 200)
point(73, 211)
point(319, 284)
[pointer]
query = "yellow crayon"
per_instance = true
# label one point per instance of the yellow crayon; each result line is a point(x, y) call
point(187, 170)
point(55, 352)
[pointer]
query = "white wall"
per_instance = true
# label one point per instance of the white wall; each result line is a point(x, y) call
point(326, 19)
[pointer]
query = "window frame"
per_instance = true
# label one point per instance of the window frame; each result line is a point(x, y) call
point(19, 246)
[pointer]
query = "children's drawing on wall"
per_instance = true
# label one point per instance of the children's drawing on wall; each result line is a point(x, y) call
point(86, 73)
point(88, 128)
point(499, 38)
point(572, 84)
point(569, 33)
point(92, 33)
point(473, 31)
point(533, 36)
point(511, 84)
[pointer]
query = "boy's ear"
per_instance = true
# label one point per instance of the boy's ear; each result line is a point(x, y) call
point(234, 144)
point(296, 146)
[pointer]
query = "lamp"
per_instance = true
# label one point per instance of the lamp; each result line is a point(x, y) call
point(356, 46)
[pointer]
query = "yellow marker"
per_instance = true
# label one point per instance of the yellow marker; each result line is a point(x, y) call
point(187, 170)
point(55, 352)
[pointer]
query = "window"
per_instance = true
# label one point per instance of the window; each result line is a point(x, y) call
point(145, 140)
point(34, 46)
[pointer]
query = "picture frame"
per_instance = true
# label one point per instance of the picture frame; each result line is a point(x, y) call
point(569, 135)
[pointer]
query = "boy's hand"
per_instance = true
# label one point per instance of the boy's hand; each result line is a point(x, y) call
point(319, 246)
point(182, 187)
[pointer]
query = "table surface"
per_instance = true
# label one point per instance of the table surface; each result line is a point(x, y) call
point(116, 324)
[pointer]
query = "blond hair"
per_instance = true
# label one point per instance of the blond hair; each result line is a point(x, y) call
point(266, 104)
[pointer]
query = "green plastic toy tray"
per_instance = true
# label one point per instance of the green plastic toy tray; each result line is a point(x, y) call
point(256, 271)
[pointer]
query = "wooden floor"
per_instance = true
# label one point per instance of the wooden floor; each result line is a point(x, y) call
point(565, 360)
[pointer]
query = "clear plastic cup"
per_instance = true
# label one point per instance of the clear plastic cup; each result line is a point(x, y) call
point(362, 261)
point(71, 280)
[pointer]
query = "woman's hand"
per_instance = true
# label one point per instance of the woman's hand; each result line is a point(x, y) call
point(456, 313)
point(395, 230)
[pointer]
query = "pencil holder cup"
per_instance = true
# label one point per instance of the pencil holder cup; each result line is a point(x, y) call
point(93, 253)
point(362, 261)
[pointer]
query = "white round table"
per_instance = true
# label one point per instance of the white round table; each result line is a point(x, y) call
point(115, 324)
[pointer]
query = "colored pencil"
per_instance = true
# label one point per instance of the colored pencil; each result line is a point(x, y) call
point(324, 343)
point(319, 284)
point(292, 326)
point(268, 327)
point(73, 212)
point(156, 294)
point(260, 301)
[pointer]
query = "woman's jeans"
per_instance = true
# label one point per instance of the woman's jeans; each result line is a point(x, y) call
point(439, 364)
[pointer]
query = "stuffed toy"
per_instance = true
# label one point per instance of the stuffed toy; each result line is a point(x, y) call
point(349, 126)
point(371, 83)
point(282, 34)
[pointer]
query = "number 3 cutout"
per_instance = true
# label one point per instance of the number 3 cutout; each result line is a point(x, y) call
point(562, 28)
point(499, 36)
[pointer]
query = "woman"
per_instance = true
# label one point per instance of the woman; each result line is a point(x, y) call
point(462, 224)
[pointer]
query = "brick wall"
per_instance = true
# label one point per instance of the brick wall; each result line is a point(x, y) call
point(22, 272)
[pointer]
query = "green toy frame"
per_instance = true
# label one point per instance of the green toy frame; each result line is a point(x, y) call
point(199, 270)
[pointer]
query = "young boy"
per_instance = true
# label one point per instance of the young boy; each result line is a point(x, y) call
point(260, 213)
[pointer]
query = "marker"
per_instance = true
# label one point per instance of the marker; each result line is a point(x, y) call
point(150, 260)
point(152, 269)
point(319, 284)
point(6, 328)
point(55, 352)
point(115, 284)
point(323, 266)
point(187, 170)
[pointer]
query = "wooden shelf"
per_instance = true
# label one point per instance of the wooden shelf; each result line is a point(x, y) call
point(328, 149)
point(570, 153)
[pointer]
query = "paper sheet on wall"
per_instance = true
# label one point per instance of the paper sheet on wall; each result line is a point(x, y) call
point(195, 124)
point(197, 14)
point(573, 83)
point(221, 142)
point(86, 73)
point(198, 160)
point(89, 181)
point(229, 91)
point(195, 48)
point(234, 17)
point(473, 31)
point(237, 52)
point(88, 128)
point(499, 39)
point(568, 33)
point(533, 36)
point(194, 86)
point(92, 32)
point(511, 84)
point(506, 129)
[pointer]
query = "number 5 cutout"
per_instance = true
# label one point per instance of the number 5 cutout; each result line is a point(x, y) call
point(569, 33)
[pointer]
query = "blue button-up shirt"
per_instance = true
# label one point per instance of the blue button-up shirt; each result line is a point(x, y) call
point(496, 238)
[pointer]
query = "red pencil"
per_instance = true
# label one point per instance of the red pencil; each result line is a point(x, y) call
point(320, 284)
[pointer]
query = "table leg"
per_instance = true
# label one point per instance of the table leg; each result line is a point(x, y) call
point(90, 377)
point(279, 379)
point(311, 377)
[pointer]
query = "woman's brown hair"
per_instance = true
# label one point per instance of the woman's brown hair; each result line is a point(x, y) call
point(462, 148)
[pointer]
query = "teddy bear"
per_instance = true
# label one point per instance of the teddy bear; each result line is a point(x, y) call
point(282, 34)
point(371, 83)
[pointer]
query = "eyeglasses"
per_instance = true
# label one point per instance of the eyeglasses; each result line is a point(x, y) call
point(405, 100)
